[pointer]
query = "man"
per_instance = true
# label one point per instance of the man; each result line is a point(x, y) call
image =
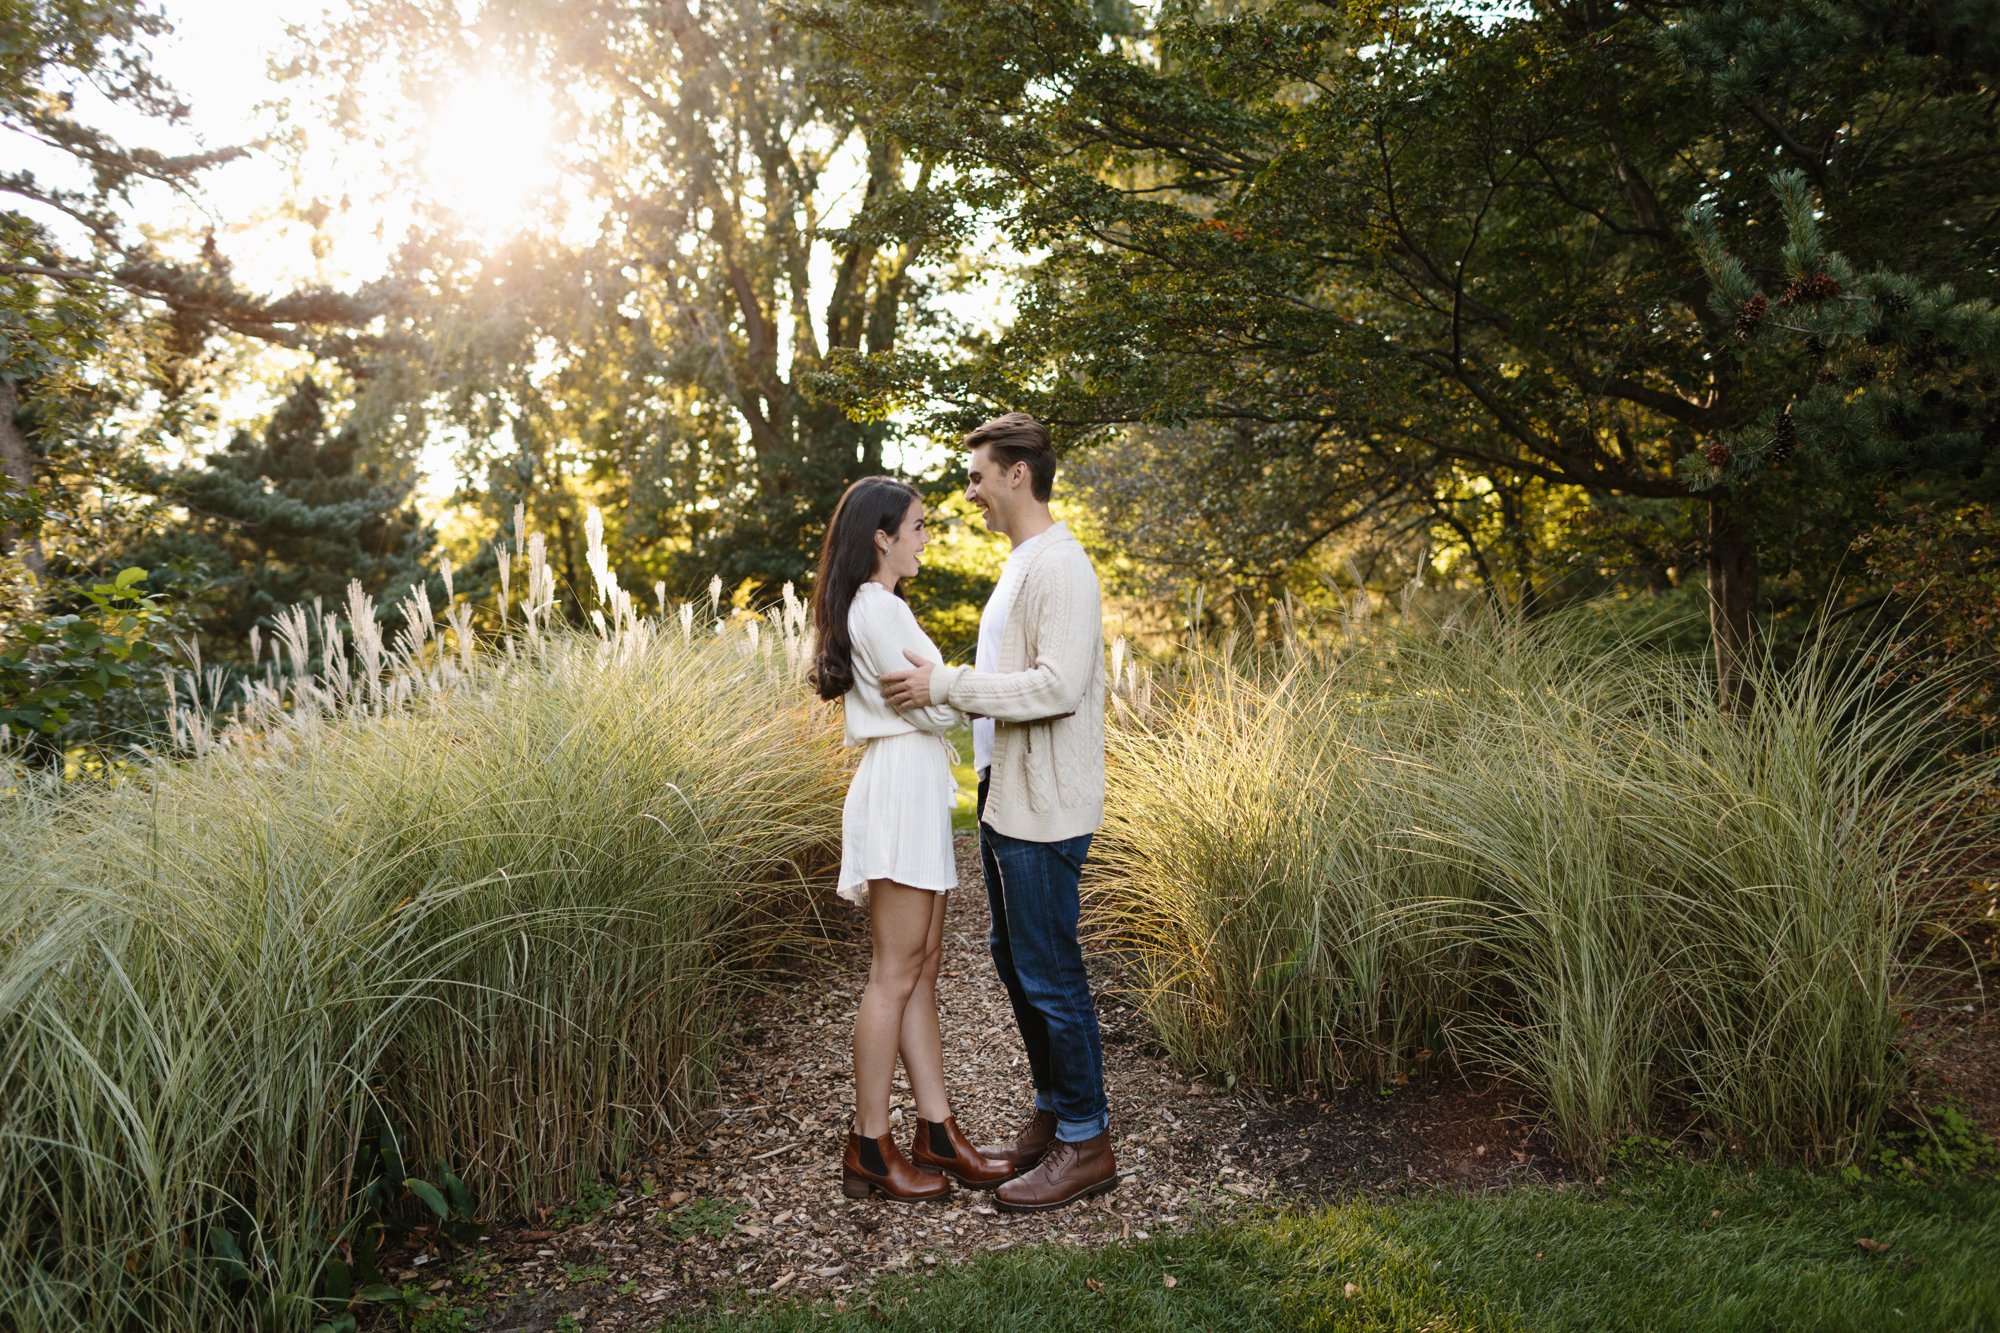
point(1037, 694)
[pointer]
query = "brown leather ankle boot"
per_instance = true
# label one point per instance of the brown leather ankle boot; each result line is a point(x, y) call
point(878, 1166)
point(1026, 1147)
point(1066, 1173)
point(942, 1146)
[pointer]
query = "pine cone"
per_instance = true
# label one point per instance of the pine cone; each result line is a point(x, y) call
point(1821, 286)
point(1815, 347)
point(1784, 436)
point(1717, 455)
point(1751, 316)
point(1863, 371)
point(1895, 303)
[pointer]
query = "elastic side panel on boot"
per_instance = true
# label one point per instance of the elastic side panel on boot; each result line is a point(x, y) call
point(871, 1158)
point(940, 1141)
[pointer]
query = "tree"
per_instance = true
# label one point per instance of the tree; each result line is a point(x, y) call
point(94, 315)
point(286, 519)
point(1442, 243)
point(665, 369)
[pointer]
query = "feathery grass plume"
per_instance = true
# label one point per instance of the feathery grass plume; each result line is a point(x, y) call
point(503, 912)
point(1544, 855)
point(503, 562)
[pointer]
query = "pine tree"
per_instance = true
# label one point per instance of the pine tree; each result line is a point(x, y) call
point(98, 319)
point(285, 518)
point(1890, 373)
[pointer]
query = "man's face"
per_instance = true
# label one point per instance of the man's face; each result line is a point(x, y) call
point(994, 493)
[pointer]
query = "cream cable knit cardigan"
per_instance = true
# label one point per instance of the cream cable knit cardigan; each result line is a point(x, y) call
point(1046, 700)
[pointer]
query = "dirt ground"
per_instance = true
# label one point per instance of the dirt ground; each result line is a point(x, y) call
point(752, 1203)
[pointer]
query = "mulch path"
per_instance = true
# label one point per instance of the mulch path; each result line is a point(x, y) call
point(750, 1203)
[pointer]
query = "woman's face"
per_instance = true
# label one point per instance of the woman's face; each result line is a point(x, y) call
point(896, 553)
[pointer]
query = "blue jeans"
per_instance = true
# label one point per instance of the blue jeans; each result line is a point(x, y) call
point(1031, 891)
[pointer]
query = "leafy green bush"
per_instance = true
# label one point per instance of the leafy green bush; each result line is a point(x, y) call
point(1550, 857)
point(50, 666)
point(499, 899)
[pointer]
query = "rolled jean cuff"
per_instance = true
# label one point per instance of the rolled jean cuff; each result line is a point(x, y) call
point(1044, 1102)
point(1076, 1131)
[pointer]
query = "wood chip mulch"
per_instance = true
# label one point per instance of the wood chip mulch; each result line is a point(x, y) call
point(750, 1203)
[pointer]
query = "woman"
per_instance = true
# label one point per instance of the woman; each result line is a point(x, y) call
point(896, 853)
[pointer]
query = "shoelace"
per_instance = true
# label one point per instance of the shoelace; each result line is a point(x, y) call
point(1060, 1149)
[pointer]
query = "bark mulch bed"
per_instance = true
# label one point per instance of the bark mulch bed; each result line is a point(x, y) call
point(751, 1202)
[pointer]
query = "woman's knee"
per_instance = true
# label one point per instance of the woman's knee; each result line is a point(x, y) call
point(898, 974)
point(933, 959)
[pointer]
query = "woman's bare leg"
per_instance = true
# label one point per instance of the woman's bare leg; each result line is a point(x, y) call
point(923, 1053)
point(900, 918)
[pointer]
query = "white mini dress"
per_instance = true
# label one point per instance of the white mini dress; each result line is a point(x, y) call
point(896, 824)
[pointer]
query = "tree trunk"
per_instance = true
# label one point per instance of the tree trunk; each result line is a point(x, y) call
point(14, 462)
point(1530, 601)
point(1732, 602)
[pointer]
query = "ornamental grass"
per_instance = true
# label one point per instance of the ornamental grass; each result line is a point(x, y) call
point(1529, 851)
point(436, 909)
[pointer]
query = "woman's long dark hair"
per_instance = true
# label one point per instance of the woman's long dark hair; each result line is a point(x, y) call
point(846, 561)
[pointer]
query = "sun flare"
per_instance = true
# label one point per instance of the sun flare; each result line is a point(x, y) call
point(489, 158)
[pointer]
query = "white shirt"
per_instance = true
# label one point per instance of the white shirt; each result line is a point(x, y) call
point(992, 625)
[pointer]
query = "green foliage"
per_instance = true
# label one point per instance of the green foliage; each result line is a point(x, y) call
point(1693, 1248)
point(1943, 1144)
point(441, 1318)
point(320, 928)
point(1890, 370)
point(52, 666)
point(667, 372)
point(1545, 856)
point(592, 1198)
point(1941, 560)
point(1313, 272)
point(709, 1216)
point(283, 520)
point(103, 335)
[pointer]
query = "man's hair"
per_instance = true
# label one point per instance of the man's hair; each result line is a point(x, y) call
point(1019, 438)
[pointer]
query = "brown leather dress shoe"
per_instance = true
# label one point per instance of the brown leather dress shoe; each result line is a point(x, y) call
point(1066, 1173)
point(1025, 1148)
point(877, 1166)
point(942, 1146)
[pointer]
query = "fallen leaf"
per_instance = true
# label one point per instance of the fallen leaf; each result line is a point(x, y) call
point(1350, 1291)
point(1171, 1281)
point(1873, 1246)
point(1093, 1284)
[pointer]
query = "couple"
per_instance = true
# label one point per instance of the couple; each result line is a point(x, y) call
point(1036, 694)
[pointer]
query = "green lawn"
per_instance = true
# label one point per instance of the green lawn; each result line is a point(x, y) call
point(1688, 1248)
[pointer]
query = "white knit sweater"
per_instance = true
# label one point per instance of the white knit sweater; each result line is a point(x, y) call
point(1046, 700)
point(881, 627)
